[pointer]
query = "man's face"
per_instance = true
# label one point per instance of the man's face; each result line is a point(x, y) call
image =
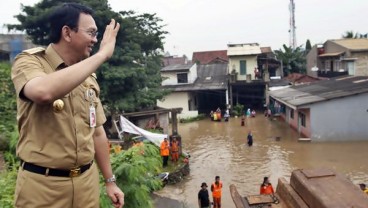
point(85, 36)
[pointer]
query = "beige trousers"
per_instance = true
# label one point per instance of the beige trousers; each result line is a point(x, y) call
point(35, 190)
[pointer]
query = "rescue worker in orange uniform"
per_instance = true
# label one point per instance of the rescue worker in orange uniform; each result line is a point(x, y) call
point(266, 187)
point(174, 150)
point(216, 192)
point(165, 151)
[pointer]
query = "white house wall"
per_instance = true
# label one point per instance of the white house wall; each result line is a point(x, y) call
point(170, 78)
point(251, 63)
point(343, 119)
point(179, 100)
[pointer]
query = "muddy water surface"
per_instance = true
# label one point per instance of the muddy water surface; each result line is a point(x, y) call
point(219, 148)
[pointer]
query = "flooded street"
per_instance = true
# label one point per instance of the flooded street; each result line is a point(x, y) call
point(219, 148)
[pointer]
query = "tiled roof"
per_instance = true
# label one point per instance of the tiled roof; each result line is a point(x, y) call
point(297, 96)
point(359, 44)
point(206, 57)
point(167, 61)
point(301, 78)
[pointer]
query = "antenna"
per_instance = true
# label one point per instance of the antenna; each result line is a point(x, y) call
point(292, 37)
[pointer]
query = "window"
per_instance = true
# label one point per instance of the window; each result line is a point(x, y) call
point(292, 113)
point(182, 78)
point(302, 119)
point(243, 67)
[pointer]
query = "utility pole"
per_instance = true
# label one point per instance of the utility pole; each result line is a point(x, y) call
point(292, 36)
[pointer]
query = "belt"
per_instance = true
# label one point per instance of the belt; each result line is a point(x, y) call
point(55, 172)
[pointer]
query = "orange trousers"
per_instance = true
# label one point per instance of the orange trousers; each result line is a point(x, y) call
point(216, 202)
point(174, 156)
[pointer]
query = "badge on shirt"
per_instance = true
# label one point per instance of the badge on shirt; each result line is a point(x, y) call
point(92, 116)
point(58, 105)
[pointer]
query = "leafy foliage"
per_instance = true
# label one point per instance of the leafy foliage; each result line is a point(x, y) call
point(293, 60)
point(8, 105)
point(7, 184)
point(192, 119)
point(351, 34)
point(136, 171)
point(238, 109)
point(308, 47)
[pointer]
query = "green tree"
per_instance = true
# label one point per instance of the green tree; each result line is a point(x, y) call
point(351, 34)
point(293, 60)
point(308, 47)
point(131, 79)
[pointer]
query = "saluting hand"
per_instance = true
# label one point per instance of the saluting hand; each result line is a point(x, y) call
point(107, 45)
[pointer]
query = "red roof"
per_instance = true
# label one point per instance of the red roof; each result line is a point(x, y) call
point(206, 57)
point(301, 78)
point(170, 60)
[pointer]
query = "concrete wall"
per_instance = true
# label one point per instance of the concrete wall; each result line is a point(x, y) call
point(170, 78)
point(179, 100)
point(361, 63)
point(312, 61)
point(343, 119)
point(251, 62)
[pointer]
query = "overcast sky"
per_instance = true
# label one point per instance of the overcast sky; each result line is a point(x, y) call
point(205, 25)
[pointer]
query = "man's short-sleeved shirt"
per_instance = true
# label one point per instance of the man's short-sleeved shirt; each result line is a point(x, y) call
point(204, 198)
point(48, 137)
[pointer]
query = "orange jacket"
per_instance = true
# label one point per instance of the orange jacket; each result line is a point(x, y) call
point(175, 146)
point(164, 149)
point(268, 189)
point(216, 190)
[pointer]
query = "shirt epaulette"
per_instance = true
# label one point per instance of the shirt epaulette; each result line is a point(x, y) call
point(34, 50)
point(94, 75)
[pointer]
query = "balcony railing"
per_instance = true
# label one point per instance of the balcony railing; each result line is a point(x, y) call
point(330, 74)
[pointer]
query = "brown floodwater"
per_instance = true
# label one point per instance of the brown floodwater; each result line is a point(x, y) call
point(219, 148)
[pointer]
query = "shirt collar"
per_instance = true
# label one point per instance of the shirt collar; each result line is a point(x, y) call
point(54, 59)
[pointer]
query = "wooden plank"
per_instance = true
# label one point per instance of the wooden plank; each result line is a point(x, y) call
point(330, 191)
point(259, 199)
point(237, 199)
point(315, 173)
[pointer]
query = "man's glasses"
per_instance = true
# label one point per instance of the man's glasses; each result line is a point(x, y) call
point(91, 33)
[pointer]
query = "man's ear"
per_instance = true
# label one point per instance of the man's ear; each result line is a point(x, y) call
point(66, 33)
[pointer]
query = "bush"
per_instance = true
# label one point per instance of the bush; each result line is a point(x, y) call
point(135, 170)
point(191, 119)
point(238, 110)
point(7, 184)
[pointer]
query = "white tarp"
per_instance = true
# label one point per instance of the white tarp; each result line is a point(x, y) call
point(129, 127)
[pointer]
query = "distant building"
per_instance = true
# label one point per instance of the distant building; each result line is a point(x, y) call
point(195, 88)
point(12, 44)
point(339, 57)
point(327, 110)
point(168, 60)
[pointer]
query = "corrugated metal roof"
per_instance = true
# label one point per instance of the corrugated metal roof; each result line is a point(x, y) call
point(210, 77)
point(297, 96)
point(177, 67)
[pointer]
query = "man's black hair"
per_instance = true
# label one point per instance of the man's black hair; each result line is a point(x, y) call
point(66, 15)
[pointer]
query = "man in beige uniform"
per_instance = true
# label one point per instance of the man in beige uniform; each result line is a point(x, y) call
point(60, 115)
